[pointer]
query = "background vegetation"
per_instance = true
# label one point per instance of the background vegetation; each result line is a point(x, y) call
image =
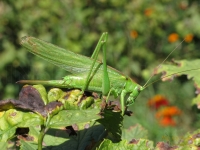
point(141, 34)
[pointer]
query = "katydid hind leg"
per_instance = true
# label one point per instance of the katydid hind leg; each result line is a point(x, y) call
point(106, 80)
point(94, 56)
point(106, 90)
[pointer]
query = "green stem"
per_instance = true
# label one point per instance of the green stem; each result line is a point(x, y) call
point(41, 136)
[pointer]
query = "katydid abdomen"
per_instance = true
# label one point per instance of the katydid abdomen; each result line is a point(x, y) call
point(82, 75)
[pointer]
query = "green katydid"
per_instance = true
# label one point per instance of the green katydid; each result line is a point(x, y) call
point(87, 73)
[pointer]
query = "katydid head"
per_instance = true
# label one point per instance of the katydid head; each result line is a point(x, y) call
point(134, 89)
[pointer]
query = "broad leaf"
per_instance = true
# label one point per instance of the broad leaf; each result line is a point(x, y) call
point(183, 67)
point(134, 132)
point(124, 145)
point(112, 121)
point(3, 145)
point(87, 134)
point(191, 140)
point(69, 117)
point(13, 119)
point(28, 146)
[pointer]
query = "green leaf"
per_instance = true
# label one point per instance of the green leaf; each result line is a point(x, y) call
point(54, 94)
point(34, 132)
point(69, 117)
point(164, 145)
point(124, 145)
point(72, 100)
point(57, 139)
point(13, 119)
point(196, 101)
point(30, 119)
point(190, 140)
point(112, 121)
point(6, 134)
point(3, 145)
point(4, 124)
point(183, 67)
point(86, 134)
point(43, 93)
point(134, 132)
point(28, 146)
point(31, 98)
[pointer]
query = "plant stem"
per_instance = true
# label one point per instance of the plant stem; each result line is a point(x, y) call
point(40, 138)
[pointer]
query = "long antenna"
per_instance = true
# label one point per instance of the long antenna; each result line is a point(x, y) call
point(169, 76)
point(145, 85)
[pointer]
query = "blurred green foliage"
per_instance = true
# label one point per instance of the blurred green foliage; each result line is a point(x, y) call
point(139, 38)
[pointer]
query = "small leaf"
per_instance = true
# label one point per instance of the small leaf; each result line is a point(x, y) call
point(34, 132)
point(183, 67)
point(55, 94)
point(3, 124)
point(28, 145)
point(86, 103)
point(69, 117)
point(9, 104)
point(87, 135)
point(190, 140)
point(25, 119)
point(71, 99)
point(163, 146)
point(43, 93)
point(53, 107)
point(112, 121)
point(124, 145)
point(3, 145)
point(134, 132)
point(6, 134)
point(13, 116)
point(32, 99)
point(196, 101)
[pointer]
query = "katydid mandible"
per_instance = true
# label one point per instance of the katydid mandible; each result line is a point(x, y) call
point(86, 73)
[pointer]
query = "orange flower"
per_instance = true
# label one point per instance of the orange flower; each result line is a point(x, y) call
point(189, 38)
point(134, 34)
point(167, 121)
point(157, 101)
point(168, 112)
point(164, 114)
point(173, 37)
point(148, 11)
